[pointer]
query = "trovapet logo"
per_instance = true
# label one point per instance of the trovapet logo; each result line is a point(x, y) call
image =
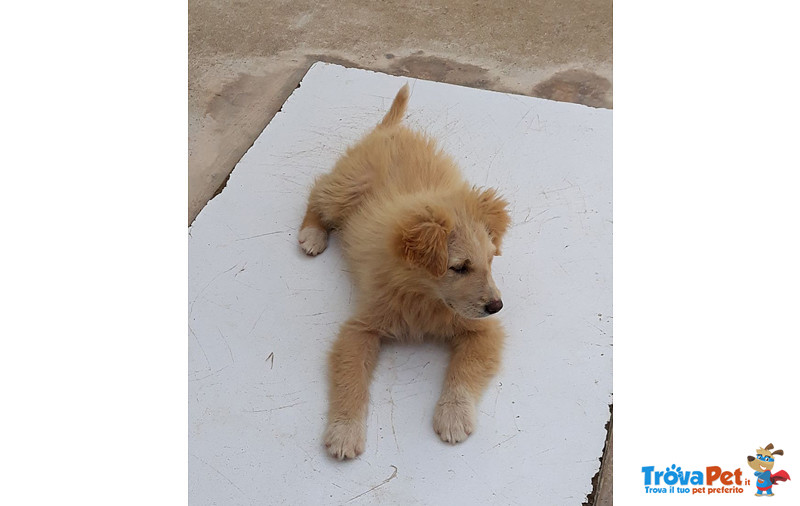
point(716, 480)
point(712, 480)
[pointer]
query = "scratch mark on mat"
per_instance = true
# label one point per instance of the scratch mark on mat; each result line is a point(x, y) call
point(257, 320)
point(528, 218)
point(261, 235)
point(230, 352)
point(269, 410)
point(226, 478)
point(501, 442)
point(391, 417)
point(384, 482)
point(208, 363)
point(240, 270)
point(210, 374)
point(191, 306)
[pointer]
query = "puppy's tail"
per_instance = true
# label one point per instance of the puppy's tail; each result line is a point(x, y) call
point(398, 108)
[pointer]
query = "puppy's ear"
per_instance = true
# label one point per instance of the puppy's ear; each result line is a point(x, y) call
point(423, 239)
point(492, 212)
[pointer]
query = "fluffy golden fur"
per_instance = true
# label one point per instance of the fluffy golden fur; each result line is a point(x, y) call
point(419, 241)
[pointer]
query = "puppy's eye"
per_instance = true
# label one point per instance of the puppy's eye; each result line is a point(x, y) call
point(460, 269)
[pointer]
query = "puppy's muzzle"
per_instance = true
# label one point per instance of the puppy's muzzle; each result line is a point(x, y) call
point(493, 306)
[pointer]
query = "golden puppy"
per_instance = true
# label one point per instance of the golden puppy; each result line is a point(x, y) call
point(419, 241)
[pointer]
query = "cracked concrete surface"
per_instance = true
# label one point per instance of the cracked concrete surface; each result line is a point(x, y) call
point(246, 57)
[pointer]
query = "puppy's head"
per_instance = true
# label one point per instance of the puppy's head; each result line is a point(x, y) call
point(452, 244)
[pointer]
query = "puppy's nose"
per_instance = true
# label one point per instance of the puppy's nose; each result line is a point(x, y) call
point(494, 306)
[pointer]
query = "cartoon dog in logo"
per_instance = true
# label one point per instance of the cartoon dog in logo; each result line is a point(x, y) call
point(763, 463)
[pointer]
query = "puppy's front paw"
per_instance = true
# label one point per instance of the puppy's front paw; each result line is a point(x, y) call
point(313, 240)
point(454, 421)
point(345, 439)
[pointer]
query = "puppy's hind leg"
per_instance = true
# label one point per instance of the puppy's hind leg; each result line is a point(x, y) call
point(313, 236)
point(475, 359)
point(333, 198)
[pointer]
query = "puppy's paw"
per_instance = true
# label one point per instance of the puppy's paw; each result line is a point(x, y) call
point(454, 421)
point(345, 439)
point(313, 240)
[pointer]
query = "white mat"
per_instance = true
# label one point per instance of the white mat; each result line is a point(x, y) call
point(262, 315)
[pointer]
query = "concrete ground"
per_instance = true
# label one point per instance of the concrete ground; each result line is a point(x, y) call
point(246, 57)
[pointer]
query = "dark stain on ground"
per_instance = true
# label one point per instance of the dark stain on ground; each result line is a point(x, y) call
point(239, 93)
point(419, 66)
point(576, 86)
point(441, 69)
